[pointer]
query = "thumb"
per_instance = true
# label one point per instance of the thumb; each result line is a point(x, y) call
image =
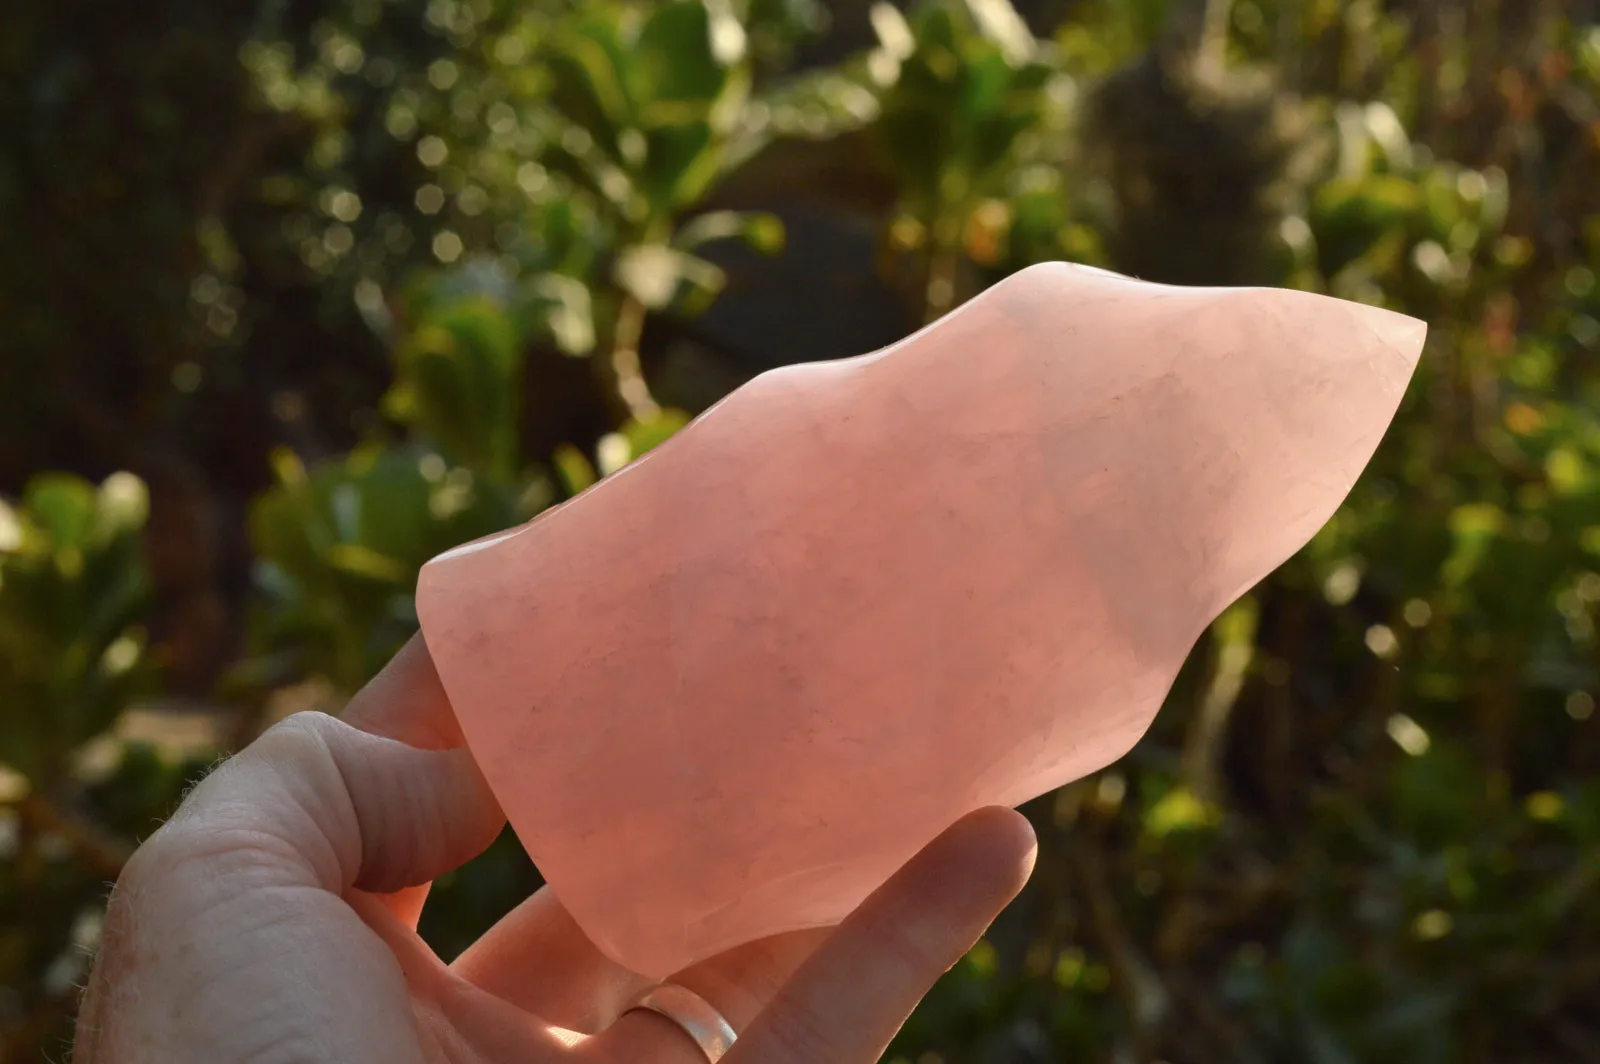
point(328, 805)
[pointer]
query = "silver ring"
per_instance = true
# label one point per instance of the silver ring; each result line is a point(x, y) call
point(692, 1014)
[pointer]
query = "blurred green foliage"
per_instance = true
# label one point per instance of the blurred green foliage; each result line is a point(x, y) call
point(315, 294)
point(71, 588)
point(959, 87)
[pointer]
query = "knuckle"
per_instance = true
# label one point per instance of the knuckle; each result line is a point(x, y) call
point(248, 814)
point(369, 795)
point(308, 733)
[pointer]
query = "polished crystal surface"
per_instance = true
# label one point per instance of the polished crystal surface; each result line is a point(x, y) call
point(728, 690)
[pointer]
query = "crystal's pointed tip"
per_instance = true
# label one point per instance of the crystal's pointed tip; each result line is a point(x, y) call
point(1404, 335)
point(482, 543)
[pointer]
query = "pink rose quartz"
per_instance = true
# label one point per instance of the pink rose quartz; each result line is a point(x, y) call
point(726, 692)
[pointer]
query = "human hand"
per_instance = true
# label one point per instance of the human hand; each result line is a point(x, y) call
point(272, 920)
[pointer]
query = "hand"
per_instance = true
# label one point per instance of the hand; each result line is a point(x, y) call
point(272, 921)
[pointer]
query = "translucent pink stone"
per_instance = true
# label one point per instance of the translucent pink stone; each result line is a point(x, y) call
point(728, 690)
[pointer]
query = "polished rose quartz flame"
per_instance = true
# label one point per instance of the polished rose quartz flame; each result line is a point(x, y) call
point(727, 691)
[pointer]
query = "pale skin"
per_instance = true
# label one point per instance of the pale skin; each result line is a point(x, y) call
point(273, 919)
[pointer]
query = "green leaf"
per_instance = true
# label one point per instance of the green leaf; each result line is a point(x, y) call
point(1348, 217)
point(10, 528)
point(122, 505)
point(459, 383)
point(573, 468)
point(680, 164)
point(642, 436)
point(1179, 810)
point(70, 599)
point(713, 225)
point(656, 275)
point(340, 550)
point(586, 64)
point(673, 59)
point(1474, 528)
point(567, 311)
point(359, 560)
point(63, 506)
point(764, 233)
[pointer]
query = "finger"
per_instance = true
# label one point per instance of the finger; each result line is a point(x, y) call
point(849, 999)
point(406, 904)
point(314, 802)
point(739, 984)
point(744, 981)
point(538, 959)
point(407, 701)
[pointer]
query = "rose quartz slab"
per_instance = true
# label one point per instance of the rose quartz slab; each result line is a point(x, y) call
point(727, 691)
